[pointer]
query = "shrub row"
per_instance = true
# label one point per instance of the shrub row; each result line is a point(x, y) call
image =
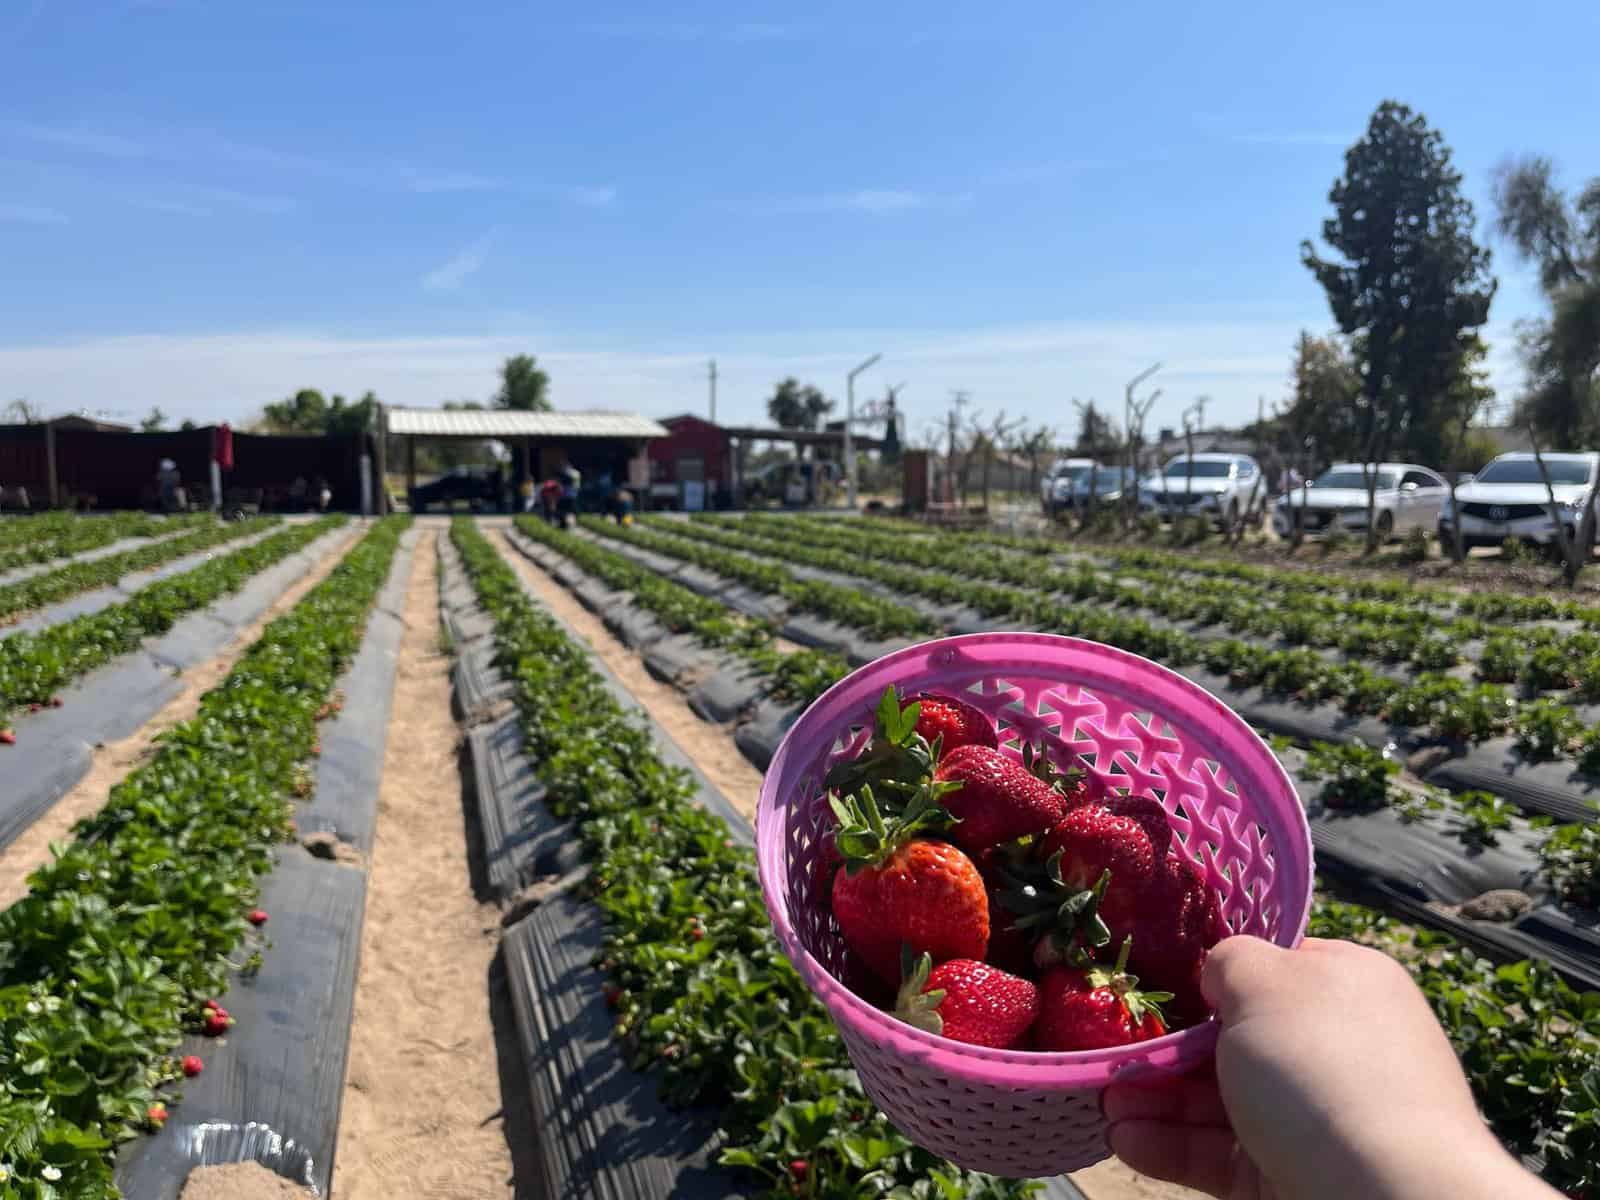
point(34, 666)
point(137, 921)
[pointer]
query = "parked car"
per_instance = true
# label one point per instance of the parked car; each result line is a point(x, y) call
point(1408, 496)
point(478, 486)
point(1508, 498)
point(1219, 487)
point(1109, 484)
point(1056, 488)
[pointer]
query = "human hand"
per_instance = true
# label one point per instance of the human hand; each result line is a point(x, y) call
point(1332, 1079)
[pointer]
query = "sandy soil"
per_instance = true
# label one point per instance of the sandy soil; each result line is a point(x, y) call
point(422, 1097)
point(1112, 1180)
point(712, 750)
point(239, 1181)
point(113, 760)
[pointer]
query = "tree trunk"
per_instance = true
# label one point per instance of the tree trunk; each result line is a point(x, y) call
point(1570, 562)
point(1458, 548)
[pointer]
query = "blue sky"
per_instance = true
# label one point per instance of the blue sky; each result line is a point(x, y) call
point(207, 203)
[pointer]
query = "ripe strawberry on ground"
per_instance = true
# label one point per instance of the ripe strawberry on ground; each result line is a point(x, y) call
point(996, 798)
point(898, 888)
point(217, 1023)
point(7, 738)
point(967, 1001)
point(1095, 1007)
point(257, 917)
point(953, 723)
point(192, 1065)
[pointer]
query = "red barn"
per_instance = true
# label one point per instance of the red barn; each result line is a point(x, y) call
point(695, 451)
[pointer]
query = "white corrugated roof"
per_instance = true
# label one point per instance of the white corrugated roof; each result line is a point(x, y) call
point(507, 423)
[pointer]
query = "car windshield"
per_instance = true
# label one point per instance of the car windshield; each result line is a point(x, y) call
point(1076, 474)
point(1202, 470)
point(1526, 470)
point(1350, 477)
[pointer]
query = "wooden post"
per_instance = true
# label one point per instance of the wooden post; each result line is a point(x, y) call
point(411, 464)
point(380, 457)
point(50, 463)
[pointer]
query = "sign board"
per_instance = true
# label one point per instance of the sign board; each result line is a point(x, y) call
point(694, 495)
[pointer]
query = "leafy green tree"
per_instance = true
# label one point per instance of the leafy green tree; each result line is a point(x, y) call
point(1097, 433)
point(304, 412)
point(794, 405)
point(1325, 389)
point(344, 419)
point(154, 422)
point(1561, 354)
point(186, 425)
point(523, 385)
point(1409, 285)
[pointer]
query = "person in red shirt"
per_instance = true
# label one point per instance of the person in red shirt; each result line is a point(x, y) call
point(550, 498)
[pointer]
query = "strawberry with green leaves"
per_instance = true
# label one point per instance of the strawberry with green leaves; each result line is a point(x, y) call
point(967, 1001)
point(1090, 1007)
point(950, 724)
point(898, 888)
point(896, 761)
point(1091, 842)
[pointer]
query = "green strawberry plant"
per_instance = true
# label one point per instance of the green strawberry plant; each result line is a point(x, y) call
point(141, 916)
point(27, 540)
point(1354, 775)
point(702, 994)
point(35, 666)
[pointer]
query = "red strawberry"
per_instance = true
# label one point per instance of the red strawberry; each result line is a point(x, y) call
point(1092, 841)
point(257, 917)
point(1176, 924)
point(968, 1001)
point(798, 1168)
point(1010, 948)
point(213, 1006)
point(217, 1023)
point(7, 738)
point(896, 762)
point(1148, 812)
point(55, 701)
point(1095, 1008)
point(953, 723)
point(996, 799)
point(33, 708)
point(157, 1113)
point(896, 888)
point(192, 1065)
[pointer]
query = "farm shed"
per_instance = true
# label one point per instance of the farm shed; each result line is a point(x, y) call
point(604, 447)
point(696, 450)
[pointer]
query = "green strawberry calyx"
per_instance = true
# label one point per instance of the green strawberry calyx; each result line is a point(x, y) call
point(1044, 905)
point(865, 839)
point(897, 760)
point(1126, 987)
point(915, 1005)
point(1036, 761)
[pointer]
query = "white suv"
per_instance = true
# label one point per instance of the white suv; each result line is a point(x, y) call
point(1219, 487)
point(1508, 498)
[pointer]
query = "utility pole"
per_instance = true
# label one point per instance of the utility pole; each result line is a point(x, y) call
point(849, 438)
point(712, 367)
point(959, 399)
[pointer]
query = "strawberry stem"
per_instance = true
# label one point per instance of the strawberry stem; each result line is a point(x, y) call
point(865, 839)
point(914, 1006)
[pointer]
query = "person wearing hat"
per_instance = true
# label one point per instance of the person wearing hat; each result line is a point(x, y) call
point(167, 482)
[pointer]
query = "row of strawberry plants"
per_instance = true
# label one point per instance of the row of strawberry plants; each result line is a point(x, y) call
point(872, 614)
point(37, 591)
point(121, 939)
point(700, 990)
point(1493, 606)
point(801, 676)
point(1359, 777)
point(35, 666)
point(1503, 1021)
point(26, 540)
point(1538, 657)
point(1432, 703)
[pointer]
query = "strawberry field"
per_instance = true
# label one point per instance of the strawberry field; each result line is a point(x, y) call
point(203, 739)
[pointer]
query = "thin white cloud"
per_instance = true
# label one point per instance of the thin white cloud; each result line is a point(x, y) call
point(30, 214)
point(450, 275)
point(1294, 139)
point(594, 197)
point(177, 208)
point(876, 201)
point(73, 137)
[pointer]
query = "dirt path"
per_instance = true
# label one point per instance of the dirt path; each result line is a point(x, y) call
point(113, 760)
point(711, 748)
point(422, 1097)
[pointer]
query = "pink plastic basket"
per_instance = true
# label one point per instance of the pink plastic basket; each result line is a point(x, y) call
point(1134, 725)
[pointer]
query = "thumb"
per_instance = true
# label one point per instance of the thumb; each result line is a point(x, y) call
point(1239, 969)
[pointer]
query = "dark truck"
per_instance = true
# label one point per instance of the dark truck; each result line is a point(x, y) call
point(478, 486)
